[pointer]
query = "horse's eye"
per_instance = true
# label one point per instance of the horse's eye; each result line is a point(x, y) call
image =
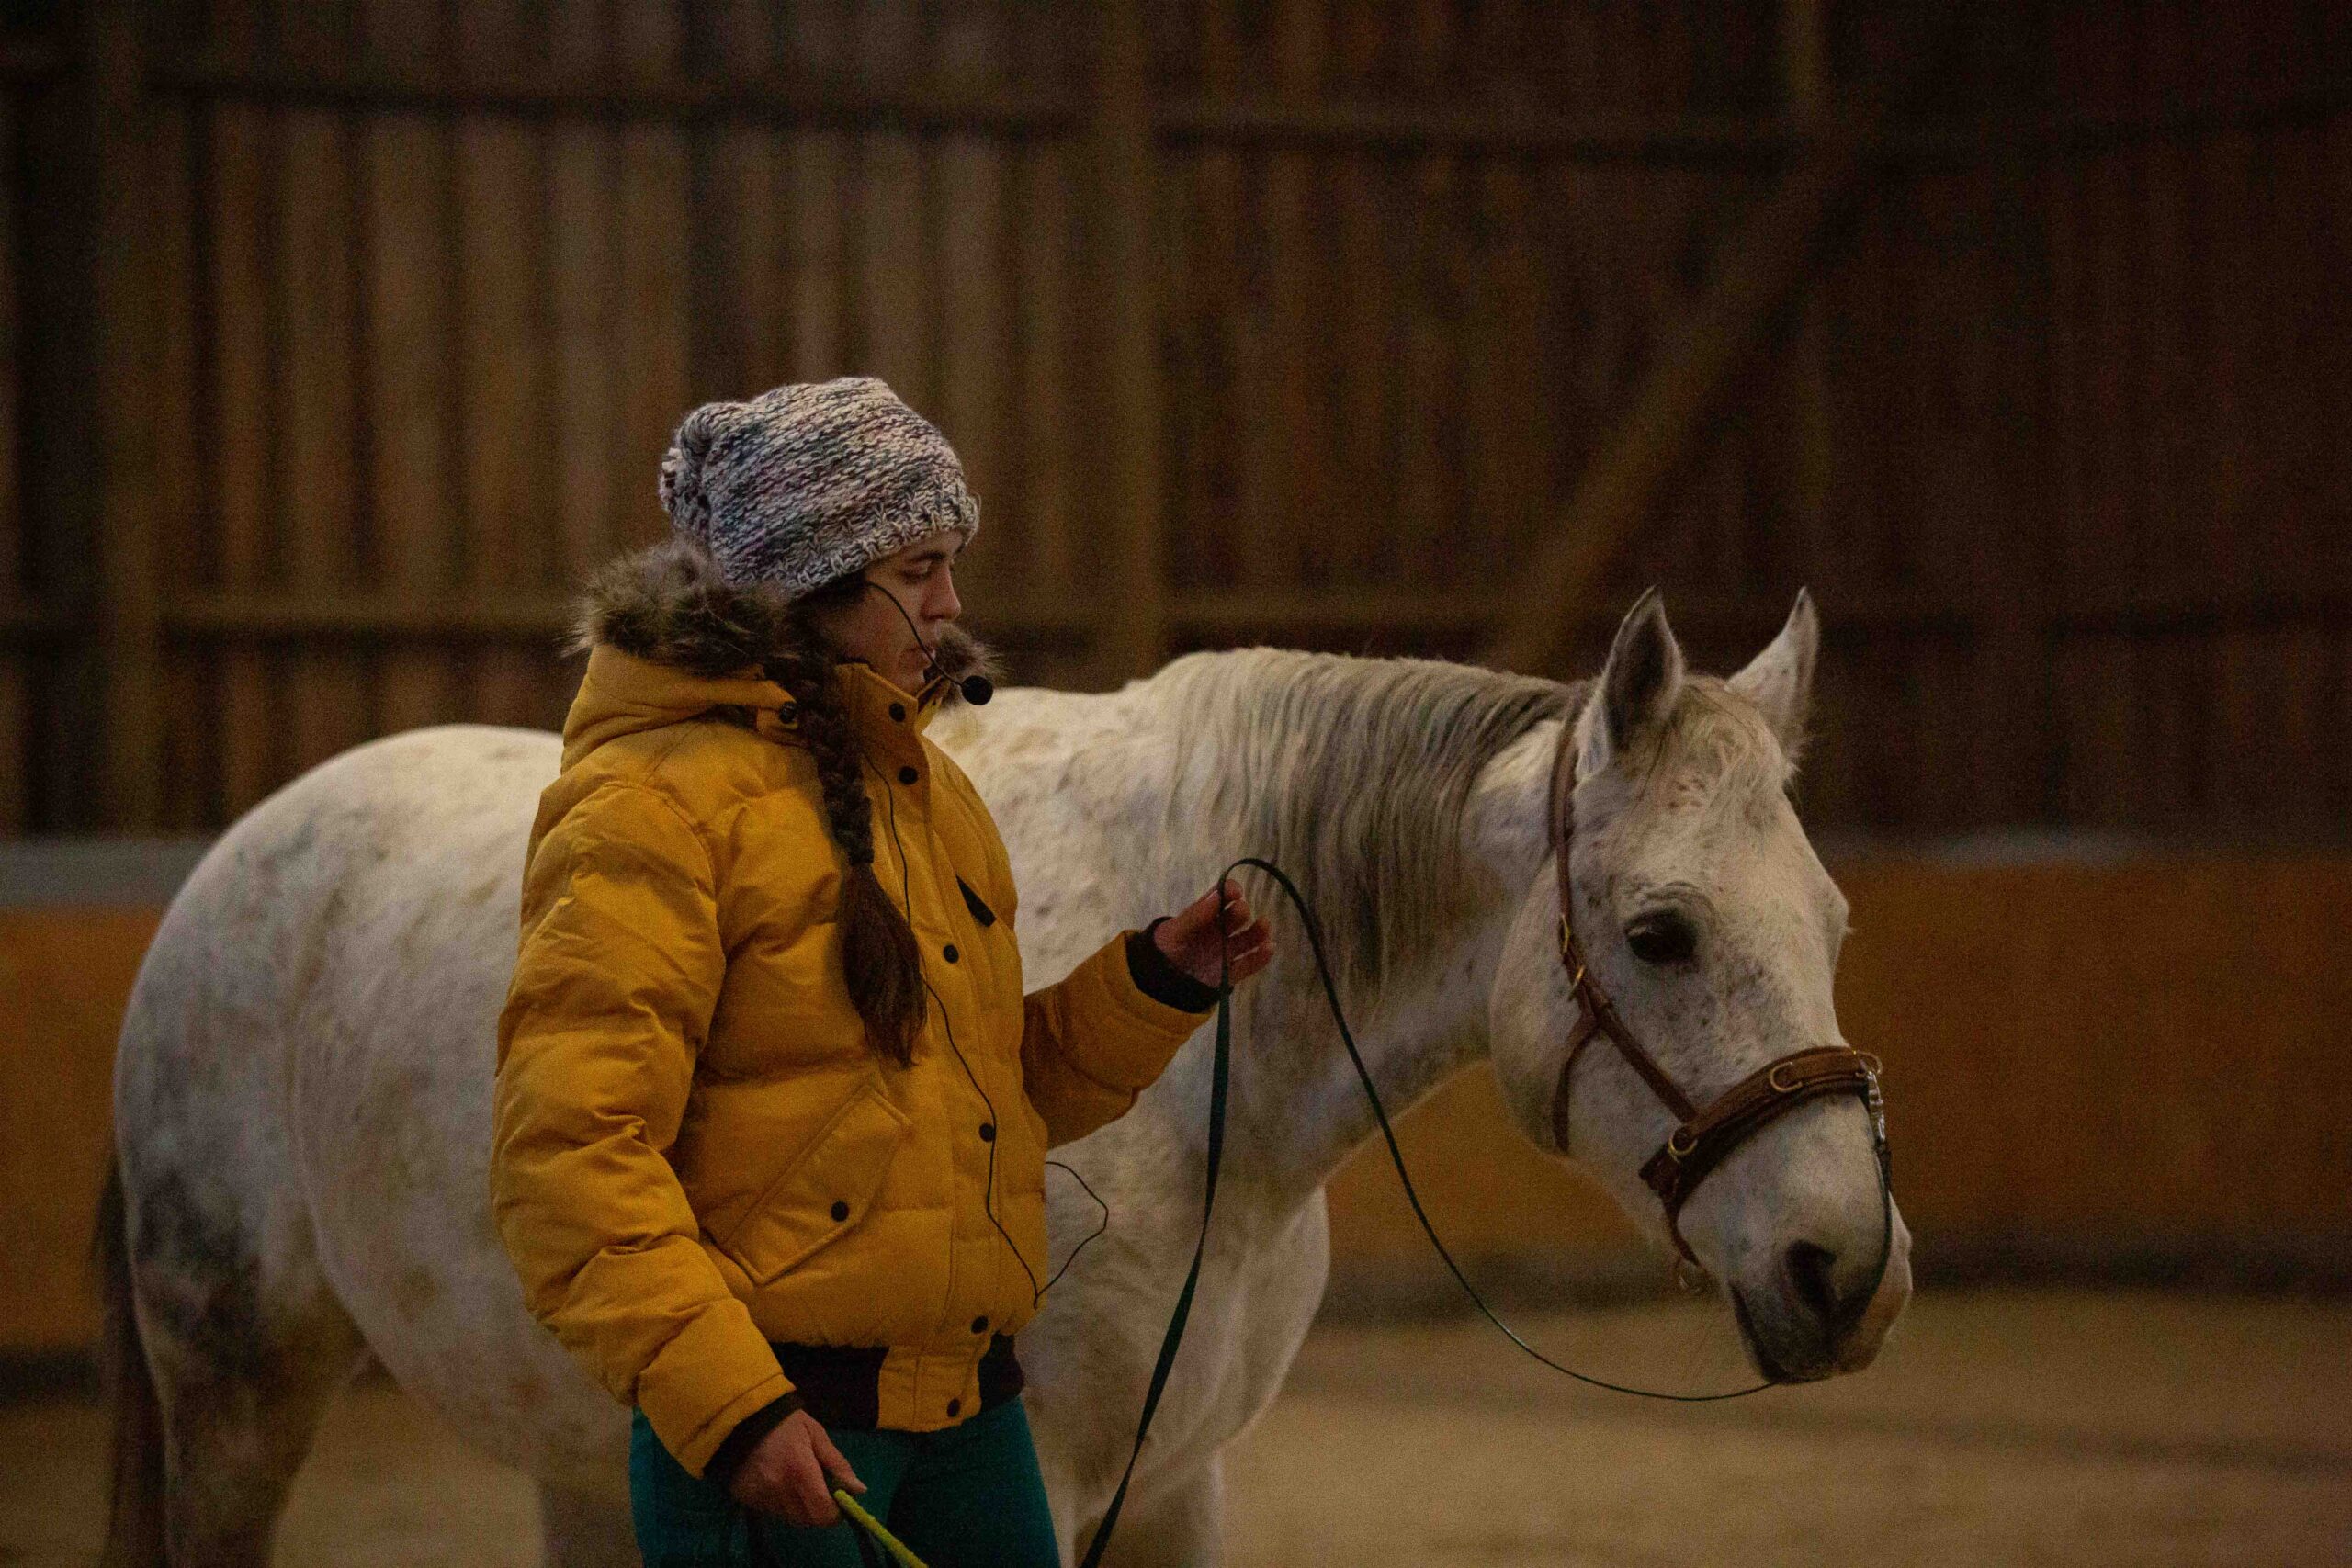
point(1662, 938)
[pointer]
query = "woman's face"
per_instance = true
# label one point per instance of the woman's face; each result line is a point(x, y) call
point(919, 579)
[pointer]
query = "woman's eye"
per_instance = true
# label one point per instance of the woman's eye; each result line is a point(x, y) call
point(1662, 938)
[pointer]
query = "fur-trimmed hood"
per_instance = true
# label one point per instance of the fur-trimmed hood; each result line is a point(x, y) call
point(668, 602)
point(669, 640)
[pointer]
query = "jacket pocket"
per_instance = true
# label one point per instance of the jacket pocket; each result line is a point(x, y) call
point(826, 1191)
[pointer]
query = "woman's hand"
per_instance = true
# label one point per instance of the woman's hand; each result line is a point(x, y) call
point(786, 1473)
point(1189, 937)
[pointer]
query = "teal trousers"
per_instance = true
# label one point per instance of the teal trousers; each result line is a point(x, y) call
point(969, 1496)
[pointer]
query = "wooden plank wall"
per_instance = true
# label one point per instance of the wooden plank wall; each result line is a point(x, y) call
point(1290, 323)
point(446, 346)
point(37, 120)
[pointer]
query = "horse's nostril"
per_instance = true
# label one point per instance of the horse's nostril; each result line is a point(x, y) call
point(1813, 1275)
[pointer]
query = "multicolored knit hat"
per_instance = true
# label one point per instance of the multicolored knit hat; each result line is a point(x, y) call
point(812, 482)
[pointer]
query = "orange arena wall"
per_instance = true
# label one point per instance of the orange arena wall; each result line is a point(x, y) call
point(2080, 1057)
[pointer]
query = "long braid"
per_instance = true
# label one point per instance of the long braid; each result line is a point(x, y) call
point(879, 957)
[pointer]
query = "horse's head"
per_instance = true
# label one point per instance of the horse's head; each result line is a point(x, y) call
point(1706, 919)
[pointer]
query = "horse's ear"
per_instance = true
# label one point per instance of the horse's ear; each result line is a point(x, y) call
point(1640, 684)
point(1779, 680)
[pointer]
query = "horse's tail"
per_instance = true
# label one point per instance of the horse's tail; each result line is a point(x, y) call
point(135, 1510)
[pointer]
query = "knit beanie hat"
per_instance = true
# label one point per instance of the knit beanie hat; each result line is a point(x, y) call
point(812, 482)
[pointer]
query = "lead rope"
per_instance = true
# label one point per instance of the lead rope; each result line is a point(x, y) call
point(1219, 1079)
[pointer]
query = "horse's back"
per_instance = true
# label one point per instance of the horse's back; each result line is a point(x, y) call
point(242, 948)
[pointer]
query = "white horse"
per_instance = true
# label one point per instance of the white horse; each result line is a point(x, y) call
point(302, 1087)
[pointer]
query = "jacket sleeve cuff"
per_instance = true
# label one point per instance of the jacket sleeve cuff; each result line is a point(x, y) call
point(737, 1445)
point(1157, 975)
point(1109, 1031)
point(705, 1380)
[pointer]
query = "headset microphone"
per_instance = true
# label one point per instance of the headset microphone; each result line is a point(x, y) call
point(977, 689)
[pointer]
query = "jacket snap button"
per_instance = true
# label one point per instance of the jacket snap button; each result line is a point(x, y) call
point(898, 711)
point(907, 775)
point(955, 1405)
point(987, 1132)
point(979, 1326)
point(949, 952)
point(841, 1212)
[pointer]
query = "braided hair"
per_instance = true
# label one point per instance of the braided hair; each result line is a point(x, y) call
point(880, 956)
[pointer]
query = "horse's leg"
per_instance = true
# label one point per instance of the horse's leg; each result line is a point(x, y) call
point(236, 1429)
point(246, 1345)
point(1179, 1524)
point(582, 1531)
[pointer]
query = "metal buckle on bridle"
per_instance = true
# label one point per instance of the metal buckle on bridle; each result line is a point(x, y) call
point(1569, 958)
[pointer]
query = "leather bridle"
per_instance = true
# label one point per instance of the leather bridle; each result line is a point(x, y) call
point(1705, 1137)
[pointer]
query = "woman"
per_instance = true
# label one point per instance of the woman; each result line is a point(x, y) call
point(772, 1108)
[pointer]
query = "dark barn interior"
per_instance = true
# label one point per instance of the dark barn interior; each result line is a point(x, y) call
point(340, 340)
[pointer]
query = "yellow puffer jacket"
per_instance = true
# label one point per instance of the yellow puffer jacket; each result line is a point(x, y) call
point(695, 1151)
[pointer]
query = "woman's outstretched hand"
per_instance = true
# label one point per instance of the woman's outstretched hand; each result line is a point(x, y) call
point(1189, 937)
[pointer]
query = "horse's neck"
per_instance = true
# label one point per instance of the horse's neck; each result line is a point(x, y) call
point(1297, 1108)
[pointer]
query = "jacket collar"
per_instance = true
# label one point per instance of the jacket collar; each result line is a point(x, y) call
point(887, 717)
point(667, 639)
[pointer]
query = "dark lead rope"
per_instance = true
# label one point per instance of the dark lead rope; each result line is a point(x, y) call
point(1220, 1075)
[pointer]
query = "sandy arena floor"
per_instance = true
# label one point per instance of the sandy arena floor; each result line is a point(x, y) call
point(1999, 1428)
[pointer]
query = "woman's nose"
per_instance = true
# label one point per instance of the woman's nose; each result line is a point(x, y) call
point(941, 603)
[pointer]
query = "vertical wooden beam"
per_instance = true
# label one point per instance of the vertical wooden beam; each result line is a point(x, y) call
point(2015, 754)
point(965, 213)
point(1804, 92)
point(747, 169)
point(582, 269)
point(1046, 446)
point(326, 507)
point(500, 447)
point(896, 322)
point(654, 222)
point(239, 445)
point(122, 276)
point(190, 751)
point(1134, 638)
point(417, 360)
point(1285, 440)
point(17, 662)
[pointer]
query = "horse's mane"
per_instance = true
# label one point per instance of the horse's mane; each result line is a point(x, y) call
point(1351, 775)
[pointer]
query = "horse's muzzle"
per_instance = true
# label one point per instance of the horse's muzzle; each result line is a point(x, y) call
point(1807, 1319)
